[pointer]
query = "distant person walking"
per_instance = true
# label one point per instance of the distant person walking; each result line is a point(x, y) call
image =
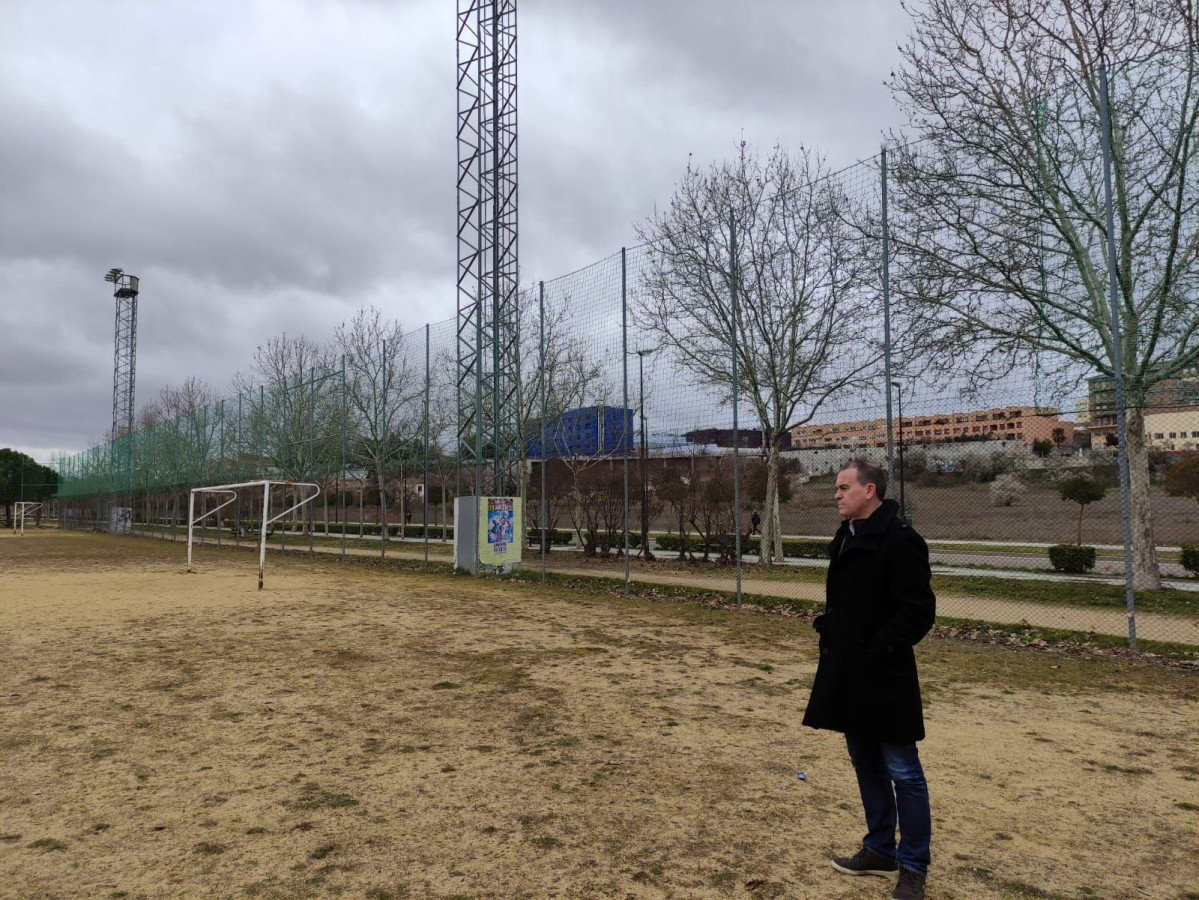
point(755, 522)
point(879, 603)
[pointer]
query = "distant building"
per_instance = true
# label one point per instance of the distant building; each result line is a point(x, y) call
point(748, 438)
point(587, 431)
point(1017, 423)
point(1172, 430)
point(1170, 396)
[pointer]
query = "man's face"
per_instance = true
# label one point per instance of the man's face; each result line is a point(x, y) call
point(854, 499)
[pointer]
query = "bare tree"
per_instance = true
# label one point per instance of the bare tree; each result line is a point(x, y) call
point(677, 487)
point(800, 271)
point(1001, 236)
point(712, 509)
point(574, 377)
point(380, 384)
point(293, 397)
point(177, 436)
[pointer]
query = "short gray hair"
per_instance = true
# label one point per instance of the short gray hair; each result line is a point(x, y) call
point(869, 472)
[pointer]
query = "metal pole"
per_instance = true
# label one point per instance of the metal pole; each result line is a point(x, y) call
point(266, 511)
point(645, 554)
point(541, 364)
point(1117, 357)
point(624, 412)
point(457, 431)
point(887, 317)
point(478, 404)
point(221, 459)
point(341, 500)
point(310, 508)
point(899, 397)
point(237, 508)
point(733, 274)
point(425, 512)
point(191, 509)
point(381, 474)
point(496, 253)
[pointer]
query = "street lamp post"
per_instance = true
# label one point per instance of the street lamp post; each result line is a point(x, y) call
point(645, 551)
point(899, 404)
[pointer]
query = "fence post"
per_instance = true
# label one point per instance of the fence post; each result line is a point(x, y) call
point(1117, 355)
point(887, 318)
point(541, 453)
point(341, 481)
point(478, 403)
point(425, 496)
point(733, 275)
point(624, 411)
point(386, 432)
point(237, 507)
point(221, 465)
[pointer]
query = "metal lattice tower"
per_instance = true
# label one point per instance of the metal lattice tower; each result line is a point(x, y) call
point(488, 343)
point(124, 368)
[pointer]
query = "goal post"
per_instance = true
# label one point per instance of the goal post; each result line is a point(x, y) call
point(231, 493)
point(22, 509)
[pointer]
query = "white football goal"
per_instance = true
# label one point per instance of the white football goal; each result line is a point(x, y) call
point(230, 493)
point(22, 509)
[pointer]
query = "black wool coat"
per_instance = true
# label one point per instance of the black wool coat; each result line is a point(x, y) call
point(878, 605)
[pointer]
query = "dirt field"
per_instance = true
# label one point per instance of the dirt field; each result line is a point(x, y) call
point(353, 733)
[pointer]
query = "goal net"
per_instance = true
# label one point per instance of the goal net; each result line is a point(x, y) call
point(257, 492)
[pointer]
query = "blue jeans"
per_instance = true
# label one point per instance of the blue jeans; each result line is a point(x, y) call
point(894, 792)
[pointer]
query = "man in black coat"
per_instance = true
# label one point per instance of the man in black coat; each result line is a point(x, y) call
point(878, 605)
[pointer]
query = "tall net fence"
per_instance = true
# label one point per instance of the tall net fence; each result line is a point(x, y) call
point(946, 309)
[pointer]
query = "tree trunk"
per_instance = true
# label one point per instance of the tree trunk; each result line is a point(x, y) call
point(1145, 573)
point(382, 516)
point(771, 540)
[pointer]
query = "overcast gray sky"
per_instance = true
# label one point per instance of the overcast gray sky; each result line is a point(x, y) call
point(273, 165)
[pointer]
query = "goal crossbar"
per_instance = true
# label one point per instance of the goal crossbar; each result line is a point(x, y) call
point(267, 518)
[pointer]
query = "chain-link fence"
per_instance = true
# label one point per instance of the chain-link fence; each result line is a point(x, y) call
point(1011, 333)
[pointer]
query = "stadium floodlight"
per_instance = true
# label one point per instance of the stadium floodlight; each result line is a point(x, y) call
point(267, 518)
point(23, 508)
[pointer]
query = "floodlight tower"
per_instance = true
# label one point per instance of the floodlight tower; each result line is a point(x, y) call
point(124, 365)
point(125, 293)
point(488, 343)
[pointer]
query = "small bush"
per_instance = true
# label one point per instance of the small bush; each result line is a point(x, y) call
point(556, 536)
point(753, 545)
point(1072, 558)
point(806, 549)
point(418, 531)
point(1190, 558)
point(672, 542)
point(1006, 489)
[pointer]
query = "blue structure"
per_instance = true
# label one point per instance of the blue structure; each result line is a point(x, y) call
point(589, 431)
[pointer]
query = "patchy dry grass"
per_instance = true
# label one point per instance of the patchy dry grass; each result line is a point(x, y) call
point(360, 733)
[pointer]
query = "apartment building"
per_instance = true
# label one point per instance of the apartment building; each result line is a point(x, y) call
point(1168, 397)
point(1173, 430)
point(1013, 423)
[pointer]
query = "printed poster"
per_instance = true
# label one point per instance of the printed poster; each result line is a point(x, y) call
point(500, 526)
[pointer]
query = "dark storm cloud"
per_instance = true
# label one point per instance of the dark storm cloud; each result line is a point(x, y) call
point(290, 191)
point(272, 165)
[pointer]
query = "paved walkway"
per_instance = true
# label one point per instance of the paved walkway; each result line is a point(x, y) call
point(1150, 626)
